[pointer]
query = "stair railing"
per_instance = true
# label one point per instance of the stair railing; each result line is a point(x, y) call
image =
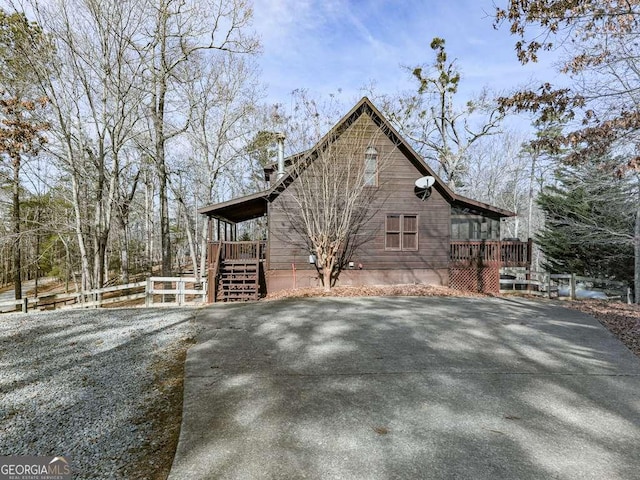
point(214, 271)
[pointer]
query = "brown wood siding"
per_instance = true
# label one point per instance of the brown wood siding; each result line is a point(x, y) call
point(395, 195)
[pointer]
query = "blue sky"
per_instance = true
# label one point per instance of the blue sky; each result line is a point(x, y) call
point(326, 45)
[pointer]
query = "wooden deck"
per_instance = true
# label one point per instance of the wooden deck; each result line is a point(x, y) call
point(490, 253)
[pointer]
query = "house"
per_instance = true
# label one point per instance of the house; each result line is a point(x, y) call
point(417, 232)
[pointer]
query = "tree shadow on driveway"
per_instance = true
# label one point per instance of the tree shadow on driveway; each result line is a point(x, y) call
point(420, 387)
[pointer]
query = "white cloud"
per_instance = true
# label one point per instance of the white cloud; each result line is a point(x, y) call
point(331, 44)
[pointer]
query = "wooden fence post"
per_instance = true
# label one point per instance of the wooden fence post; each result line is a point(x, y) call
point(25, 305)
point(148, 299)
point(546, 279)
point(572, 286)
point(180, 288)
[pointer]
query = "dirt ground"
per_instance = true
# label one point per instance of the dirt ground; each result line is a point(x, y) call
point(165, 416)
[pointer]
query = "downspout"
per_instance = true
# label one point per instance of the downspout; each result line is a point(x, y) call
point(280, 139)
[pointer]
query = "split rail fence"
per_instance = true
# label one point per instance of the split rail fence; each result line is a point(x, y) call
point(156, 291)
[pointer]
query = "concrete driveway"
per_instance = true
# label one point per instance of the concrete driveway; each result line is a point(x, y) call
point(408, 388)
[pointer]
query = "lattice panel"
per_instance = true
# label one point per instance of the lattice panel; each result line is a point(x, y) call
point(483, 279)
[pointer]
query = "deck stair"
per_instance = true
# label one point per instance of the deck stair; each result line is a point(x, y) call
point(235, 266)
point(238, 280)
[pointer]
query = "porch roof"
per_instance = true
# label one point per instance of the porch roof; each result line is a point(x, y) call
point(480, 208)
point(239, 209)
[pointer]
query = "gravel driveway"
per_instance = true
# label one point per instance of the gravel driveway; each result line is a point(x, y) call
point(77, 383)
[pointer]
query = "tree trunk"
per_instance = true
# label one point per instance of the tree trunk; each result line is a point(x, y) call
point(192, 250)
point(124, 256)
point(85, 280)
point(165, 234)
point(329, 262)
point(530, 206)
point(148, 207)
point(98, 263)
point(159, 101)
point(191, 231)
point(17, 266)
point(326, 279)
point(636, 251)
point(37, 262)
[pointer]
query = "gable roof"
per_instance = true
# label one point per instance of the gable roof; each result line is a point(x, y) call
point(253, 206)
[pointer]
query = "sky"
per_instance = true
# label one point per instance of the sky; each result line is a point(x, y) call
point(328, 46)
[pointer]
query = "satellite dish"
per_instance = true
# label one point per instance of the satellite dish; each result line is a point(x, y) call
point(423, 187)
point(425, 182)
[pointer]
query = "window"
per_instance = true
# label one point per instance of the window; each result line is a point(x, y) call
point(474, 227)
point(371, 167)
point(401, 232)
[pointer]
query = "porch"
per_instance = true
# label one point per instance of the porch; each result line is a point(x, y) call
point(475, 265)
point(490, 253)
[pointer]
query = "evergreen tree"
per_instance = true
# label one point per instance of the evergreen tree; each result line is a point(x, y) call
point(589, 227)
point(21, 131)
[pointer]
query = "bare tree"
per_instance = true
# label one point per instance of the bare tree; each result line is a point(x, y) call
point(21, 135)
point(94, 89)
point(179, 33)
point(128, 187)
point(440, 128)
point(224, 101)
point(334, 194)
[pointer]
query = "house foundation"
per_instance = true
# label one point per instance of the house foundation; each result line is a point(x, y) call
point(288, 279)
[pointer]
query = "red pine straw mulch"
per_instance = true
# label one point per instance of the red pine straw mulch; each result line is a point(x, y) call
point(373, 291)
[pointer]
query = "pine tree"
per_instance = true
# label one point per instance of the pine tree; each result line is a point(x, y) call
point(21, 131)
point(589, 226)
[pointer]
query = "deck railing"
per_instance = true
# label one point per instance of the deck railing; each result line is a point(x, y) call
point(490, 253)
point(242, 250)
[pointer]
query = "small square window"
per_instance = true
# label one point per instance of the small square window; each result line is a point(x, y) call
point(401, 232)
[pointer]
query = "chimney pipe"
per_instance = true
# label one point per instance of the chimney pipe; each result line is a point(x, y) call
point(280, 139)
